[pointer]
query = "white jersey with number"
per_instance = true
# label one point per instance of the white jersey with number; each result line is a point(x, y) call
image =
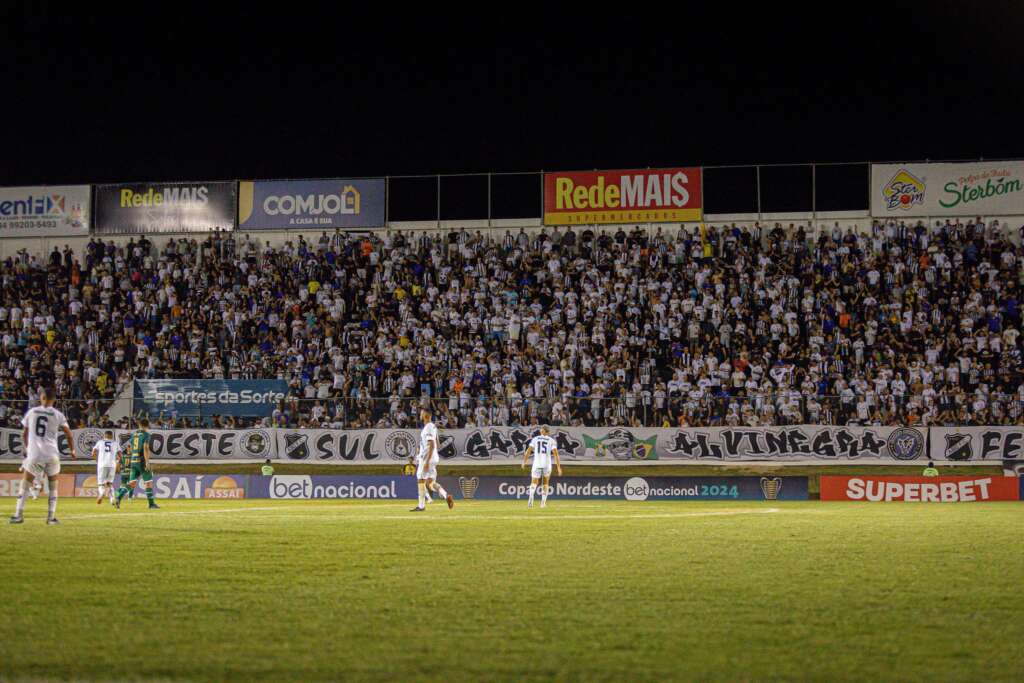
point(43, 424)
point(106, 453)
point(543, 447)
point(428, 434)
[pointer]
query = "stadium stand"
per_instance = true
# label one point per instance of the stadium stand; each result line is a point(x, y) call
point(899, 324)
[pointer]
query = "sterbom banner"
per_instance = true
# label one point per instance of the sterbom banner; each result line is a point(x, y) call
point(58, 210)
point(165, 207)
point(312, 204)
point(206, 397)
point(964, 189)
point(668, 195)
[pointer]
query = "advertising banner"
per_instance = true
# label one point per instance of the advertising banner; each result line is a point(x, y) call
point(920, 489)
point(59, 210)
point(171, 486)
point(990, 188)
point(311, 204)
point(632, 488)
point(208, 397)
point(10, 485)
point(668, 195)
point(165, 207)
point(966, 444)
point(308, 487)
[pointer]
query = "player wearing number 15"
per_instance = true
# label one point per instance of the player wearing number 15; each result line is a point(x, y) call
point(135, 465)
point(543, 448)
point(40, 427)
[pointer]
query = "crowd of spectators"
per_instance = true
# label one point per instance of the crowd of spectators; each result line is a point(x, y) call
point(902, 324)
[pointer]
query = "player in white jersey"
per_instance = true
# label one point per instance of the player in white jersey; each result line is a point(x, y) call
point(543, 448)
point(426, 464)
point(41, 425)
point(105, 452)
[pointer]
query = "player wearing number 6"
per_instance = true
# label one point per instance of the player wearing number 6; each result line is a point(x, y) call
point(39, 434)
point(543, 448)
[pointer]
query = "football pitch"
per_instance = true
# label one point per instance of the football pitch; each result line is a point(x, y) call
point(579, 591)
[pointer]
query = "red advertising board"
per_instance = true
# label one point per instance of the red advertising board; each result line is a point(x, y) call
point(920, 489)
point(668, 195)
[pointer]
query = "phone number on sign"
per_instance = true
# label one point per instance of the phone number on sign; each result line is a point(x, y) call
point(27, 225)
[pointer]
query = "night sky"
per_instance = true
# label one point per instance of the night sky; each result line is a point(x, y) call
point(174, 92)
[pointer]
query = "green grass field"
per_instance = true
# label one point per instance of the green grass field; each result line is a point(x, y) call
point(580, 591)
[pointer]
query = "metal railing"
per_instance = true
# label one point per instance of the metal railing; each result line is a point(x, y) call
point(464, 411)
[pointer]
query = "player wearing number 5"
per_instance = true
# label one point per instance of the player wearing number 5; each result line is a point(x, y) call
point(39, 434)
point(543, 448)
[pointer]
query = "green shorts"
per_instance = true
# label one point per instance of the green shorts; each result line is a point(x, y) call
point(137, 472)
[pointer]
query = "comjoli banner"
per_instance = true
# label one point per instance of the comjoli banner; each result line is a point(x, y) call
point(990, 188)
point(311, 204)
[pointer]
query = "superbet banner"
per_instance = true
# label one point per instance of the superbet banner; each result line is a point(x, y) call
point(670, 195)
point(920, 489)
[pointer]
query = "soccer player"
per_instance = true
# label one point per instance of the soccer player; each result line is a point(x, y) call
point(135, 465)
point(39, 434)
point(542, 447)
point(105, 453)
point(426, 464)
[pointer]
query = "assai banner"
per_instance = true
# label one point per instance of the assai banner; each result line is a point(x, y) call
point(207, 397)
point(668, 195)
point(60, 210)
point(632, 488)
point(965, 444)
point(165, 207)
point(311, 204)
point(171, 486)
point(990, 188)
point(919, 489)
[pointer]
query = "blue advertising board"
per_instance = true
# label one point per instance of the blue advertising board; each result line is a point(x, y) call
point(307, 487)
point(208, 397)
point(634, 488)
point(311, 204)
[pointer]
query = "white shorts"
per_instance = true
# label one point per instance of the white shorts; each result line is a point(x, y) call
point(104, 475)
point(427, 470)
point(539, 472)
point(38, 464)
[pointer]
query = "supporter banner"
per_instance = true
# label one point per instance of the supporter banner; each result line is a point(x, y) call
point(10, 485)
point(303, 487)
point(45, 210)
point(715, 444)
point(165, 207)
point(661, 196)
point(12, 447)
point(210, 486)
point(991, 188)
point(207, 397)
point(327, 204)
point(210, 444)
point(633, 488)
point(920, 489)
point(964, 444)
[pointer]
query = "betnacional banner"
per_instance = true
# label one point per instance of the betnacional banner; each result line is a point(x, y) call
point(207, 397)
point(652, 196)
point(920, 489)
point(165, 207)
point(632, 488)
point(311, 204)
point(60, 210)
point(966, 444)
point(990, 188)
point(309, 487)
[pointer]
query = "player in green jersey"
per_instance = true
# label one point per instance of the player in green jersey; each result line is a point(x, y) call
point(135, 465)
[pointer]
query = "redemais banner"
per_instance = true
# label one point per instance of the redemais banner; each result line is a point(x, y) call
point(669, 195)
